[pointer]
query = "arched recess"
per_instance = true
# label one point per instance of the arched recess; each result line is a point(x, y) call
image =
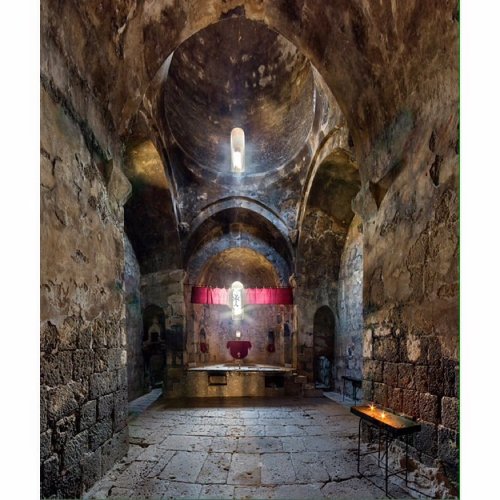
point(154, 345)
point(211, 327)
point(150, 213)
point(326, 214)
point(326, 217)
point(323, 346)
point(236, 240)
point(239, 264)
point(341, 163)
point(238, 216)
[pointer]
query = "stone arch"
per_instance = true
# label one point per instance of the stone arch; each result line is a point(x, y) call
point(323, 345)
point(329, 154)
point(151, 219)
point(153, 315)
point(241, 215)
point(238, 264)
point(226, 241)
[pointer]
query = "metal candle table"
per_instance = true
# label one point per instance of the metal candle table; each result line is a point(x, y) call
point(390, 426)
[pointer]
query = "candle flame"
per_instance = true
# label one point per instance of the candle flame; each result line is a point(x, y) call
point(383, 414)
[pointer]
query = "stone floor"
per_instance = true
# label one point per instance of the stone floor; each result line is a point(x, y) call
point(242, 448)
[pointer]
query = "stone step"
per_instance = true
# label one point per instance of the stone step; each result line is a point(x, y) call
point(312, 392)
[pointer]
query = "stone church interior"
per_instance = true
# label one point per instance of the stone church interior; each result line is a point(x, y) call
point(249, 249)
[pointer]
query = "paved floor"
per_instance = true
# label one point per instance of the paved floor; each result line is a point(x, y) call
point(140, 405)
point(241, 448)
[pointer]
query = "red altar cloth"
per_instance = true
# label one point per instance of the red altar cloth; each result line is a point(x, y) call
point(239, 348)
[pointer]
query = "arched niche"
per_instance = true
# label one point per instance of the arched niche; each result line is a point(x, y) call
point(211, 326)
point(323, 346)
point(231, 240)
point(154, 345)
point(153, 324)
point(150, 212)
point(245, 265)
point(237, 217)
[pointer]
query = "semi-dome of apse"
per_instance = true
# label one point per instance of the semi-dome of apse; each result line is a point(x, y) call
point(239, 73)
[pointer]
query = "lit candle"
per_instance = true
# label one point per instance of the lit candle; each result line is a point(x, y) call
point(372, 407)
point(383, 414)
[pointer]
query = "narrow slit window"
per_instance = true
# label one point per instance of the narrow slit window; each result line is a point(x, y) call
point(237, 150)
point(237, 300)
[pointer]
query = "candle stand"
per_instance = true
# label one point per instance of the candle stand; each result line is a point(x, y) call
point(389, 426)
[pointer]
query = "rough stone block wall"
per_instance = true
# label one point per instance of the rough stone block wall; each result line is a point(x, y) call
point(349, 331)
point(135, 358)
point(410, 340)
point(83, 375)
point(408, 374)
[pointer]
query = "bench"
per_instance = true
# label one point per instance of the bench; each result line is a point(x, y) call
point(356, 384)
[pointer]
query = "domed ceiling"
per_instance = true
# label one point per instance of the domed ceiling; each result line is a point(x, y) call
point(238, 73)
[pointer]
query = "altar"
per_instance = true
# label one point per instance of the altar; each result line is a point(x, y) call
point(234, 379)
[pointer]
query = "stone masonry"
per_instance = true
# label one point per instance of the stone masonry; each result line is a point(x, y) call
point(83, 376)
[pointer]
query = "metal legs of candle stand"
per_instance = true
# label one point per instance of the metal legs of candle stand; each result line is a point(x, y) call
point(386, 464)
point(359, 443)
point(406, 460)
point(384, 439)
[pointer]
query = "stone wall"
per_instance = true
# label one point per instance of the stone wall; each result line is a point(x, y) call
point(135, 358)
point(83, 377)
point(318, 262)
point(166, 290)
point(163, 292)
point(411, 288)
point(349, 332)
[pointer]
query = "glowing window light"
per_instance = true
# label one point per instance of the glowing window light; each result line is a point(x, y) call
point(237, 150)
point(237, 300)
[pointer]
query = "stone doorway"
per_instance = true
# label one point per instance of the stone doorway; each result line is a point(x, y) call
point(323, 346)
point(154, 345)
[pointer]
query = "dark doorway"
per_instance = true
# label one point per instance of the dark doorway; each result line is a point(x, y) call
point(154, 345)
point(323, 347)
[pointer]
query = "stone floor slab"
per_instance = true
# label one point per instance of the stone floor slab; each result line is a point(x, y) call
point(184, 466)
point(308, 468)
point(261, 492)
point(215, 469)
point(299, 491)
point(247, 448)
point(255, 430)
point(221, 444)
point(217, 491)
point(292, 444)
point(187, 443)
point(245, 469)
point(277, 469)
point(353, 488)
point(259, 444)
point(133, 475)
